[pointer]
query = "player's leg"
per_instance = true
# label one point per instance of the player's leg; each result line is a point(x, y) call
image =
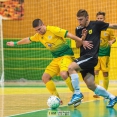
point(100, 91)
point(97, 69)
point(50, 84)
point(105, 69)
point(50, 71)
point(105, 80)
point(78, 65)
point(63, 65)
point(77, 96)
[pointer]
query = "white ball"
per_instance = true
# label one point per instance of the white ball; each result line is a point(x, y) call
point(53, 102)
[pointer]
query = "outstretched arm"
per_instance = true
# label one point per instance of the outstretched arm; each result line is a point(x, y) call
point(20, 42)
point(86, 44)
point(113, 26)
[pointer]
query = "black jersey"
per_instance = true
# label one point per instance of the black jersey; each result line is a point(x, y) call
point(94, 30)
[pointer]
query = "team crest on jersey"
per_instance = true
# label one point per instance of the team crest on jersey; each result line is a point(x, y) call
point(90, 31)
point(50, 37)
point(50, 45)
point(105, 34)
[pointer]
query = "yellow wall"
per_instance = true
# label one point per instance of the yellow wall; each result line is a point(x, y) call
point(61, 13)
point(57, 12)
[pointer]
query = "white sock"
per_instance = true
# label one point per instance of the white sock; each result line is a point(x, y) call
point(102, 92)
point(75, 83)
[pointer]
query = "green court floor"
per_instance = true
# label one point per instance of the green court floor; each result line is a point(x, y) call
point(95, 108)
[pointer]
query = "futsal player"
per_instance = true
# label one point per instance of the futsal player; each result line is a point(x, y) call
point(53, 38)
point(88, 59)
point(107, 38)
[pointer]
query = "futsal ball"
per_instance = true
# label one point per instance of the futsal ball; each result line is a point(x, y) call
point(53, 102)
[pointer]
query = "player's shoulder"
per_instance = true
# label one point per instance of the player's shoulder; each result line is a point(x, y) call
point(110, 29)
point(93, 22)
point(52, 27)
point(36, 34)
point(98, 22)
point(48, 27)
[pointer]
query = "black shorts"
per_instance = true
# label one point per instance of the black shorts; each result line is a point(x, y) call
point(87, 64)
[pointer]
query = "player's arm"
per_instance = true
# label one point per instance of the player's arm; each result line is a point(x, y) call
point(86, 44)
point(78, 44)
point(113, 26)
point(112, 37)
point(112, 41)
point(20, 42)
point(84, 34)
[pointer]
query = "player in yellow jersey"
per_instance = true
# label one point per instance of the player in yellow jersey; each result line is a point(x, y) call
point(53, 38)
point(107, 38)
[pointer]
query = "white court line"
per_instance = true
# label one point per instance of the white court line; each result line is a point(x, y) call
point(43, 109)
point(48, 108)
point(2, 99)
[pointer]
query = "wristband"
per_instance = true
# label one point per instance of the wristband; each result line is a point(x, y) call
point(15, 43)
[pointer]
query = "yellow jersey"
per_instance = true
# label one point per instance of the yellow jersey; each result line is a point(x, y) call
point(54, 40)
point(106, 36)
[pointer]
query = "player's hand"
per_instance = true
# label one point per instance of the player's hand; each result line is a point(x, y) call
point(84, 34)
point(87, 44)
point(11, 43)
point(110, 43)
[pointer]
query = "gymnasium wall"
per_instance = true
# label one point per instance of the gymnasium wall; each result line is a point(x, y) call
point(61, 13)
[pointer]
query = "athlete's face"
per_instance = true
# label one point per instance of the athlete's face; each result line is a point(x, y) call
point(82, 21)
point(100, 18)
point(41, 29)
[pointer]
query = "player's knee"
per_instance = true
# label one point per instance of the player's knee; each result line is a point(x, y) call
point(91, 86)
point(70, 69)
point(64, 75)
point(105, 74)
point(46, 78)
point(96, 72)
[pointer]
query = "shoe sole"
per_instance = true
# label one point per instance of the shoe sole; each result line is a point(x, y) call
point(78, 103)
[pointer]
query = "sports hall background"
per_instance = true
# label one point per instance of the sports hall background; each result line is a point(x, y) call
point(29, 61)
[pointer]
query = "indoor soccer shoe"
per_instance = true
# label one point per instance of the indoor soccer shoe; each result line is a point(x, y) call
point(75, 98)
point(112, 102)
point(61, 102)
point(96, 96)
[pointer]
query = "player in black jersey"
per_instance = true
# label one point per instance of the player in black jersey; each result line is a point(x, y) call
point(88, 59)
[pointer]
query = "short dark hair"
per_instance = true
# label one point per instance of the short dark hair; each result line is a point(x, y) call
point(82, 12)
point(37, 22)
point(101, 13)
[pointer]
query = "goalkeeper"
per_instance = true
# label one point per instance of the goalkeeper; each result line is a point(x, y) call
point(53, 38)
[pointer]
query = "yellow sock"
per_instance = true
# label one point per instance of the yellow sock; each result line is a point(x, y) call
point(69, 84)
point(105, 82)
point(96, 79)
point(52, 88)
